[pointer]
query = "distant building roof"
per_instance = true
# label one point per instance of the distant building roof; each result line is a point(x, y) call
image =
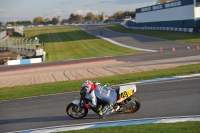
point(9, 26)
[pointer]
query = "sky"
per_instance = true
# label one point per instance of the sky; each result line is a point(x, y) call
point(19, 10)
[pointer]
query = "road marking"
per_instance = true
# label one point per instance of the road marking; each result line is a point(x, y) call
point(123, 45)
point(160, 80)
point(173, 119)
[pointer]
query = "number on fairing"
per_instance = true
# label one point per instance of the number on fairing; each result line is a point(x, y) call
point(126, 94)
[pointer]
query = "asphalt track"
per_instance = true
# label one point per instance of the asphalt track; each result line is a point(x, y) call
point(178, 97)
point(160, 99)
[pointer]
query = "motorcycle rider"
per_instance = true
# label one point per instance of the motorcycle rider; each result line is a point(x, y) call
point(103, 92)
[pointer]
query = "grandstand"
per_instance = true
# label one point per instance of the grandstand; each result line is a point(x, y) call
point(169, 13)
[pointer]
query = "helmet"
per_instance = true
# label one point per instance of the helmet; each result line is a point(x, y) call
point(87, 85)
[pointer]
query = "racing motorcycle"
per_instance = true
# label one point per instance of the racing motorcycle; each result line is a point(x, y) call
point(126, 102)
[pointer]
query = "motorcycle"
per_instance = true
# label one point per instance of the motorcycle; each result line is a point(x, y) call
point(126, 102)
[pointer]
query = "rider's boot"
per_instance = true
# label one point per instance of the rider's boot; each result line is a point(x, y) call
point(106, 111)
point(101, 113)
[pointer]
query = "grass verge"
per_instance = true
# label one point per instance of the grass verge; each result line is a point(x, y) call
point(181, 127)
point(9, 93)
point(168, 35)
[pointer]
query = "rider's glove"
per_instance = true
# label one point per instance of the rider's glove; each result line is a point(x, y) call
point(87, 106)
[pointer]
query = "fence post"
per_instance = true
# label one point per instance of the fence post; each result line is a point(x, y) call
point(17, 45)
point(26, 45)
point(30, 45)
point(13, 46)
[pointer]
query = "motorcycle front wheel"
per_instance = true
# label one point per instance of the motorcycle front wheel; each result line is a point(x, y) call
point(76, 111)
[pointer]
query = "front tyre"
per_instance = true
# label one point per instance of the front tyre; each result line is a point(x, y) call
point(76, 111)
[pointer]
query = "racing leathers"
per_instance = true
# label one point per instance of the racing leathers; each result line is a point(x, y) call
point(103, 93)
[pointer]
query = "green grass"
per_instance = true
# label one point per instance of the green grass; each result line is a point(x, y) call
point(168, 35)
point(9, 93)
point(181, 127)
point(63, 43)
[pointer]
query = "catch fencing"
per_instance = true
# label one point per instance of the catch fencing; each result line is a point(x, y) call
point(22, 46)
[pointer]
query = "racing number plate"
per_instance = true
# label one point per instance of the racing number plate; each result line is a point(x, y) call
point(126, 93)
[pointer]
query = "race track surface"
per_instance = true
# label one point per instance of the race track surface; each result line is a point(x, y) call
point(159, 99)
point(136, 40)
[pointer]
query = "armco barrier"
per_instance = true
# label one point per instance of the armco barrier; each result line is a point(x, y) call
point(24, 61)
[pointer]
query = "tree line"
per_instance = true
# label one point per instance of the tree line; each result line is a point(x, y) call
point(17, 23)
point(73, 18)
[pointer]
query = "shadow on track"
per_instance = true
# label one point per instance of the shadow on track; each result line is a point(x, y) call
point(45, 119)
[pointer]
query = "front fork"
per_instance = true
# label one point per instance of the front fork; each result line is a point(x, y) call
point(79, 104)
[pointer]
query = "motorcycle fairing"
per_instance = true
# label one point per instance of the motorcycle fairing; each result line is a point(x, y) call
point(125, 91)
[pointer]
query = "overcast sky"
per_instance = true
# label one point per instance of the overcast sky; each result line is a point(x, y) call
point(13, 10)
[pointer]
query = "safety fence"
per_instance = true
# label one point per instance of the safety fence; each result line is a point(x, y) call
point(22, 46)
point(160, 28)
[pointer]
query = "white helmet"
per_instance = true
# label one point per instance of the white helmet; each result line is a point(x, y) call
point(87, 85)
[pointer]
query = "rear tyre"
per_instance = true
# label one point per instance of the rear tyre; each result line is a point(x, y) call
point(135, 106)
point(76, 111)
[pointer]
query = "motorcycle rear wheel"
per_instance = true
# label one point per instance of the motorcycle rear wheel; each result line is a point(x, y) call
point(75, 111)
point(135, 107)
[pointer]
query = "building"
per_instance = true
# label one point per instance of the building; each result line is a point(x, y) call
point(104, 16)
point(171, 13)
